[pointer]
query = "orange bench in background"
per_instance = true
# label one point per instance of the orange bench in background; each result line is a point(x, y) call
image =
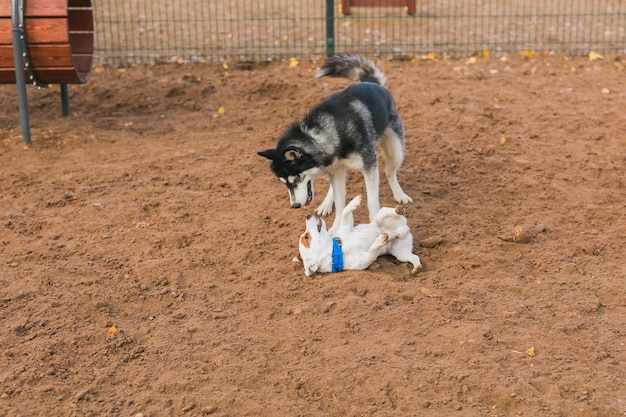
point(49, 41)
point(410, 5)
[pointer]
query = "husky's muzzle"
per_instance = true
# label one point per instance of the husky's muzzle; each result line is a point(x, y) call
point(294, 193)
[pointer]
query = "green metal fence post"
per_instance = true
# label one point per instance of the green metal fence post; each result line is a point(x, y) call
point(330, 27)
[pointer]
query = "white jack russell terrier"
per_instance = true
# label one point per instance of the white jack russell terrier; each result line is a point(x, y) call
point(356, 247)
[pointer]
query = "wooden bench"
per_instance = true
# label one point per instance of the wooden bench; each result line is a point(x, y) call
point(49, 41)
point(408, 4)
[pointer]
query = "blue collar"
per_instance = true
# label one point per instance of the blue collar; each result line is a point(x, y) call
point(337, 265)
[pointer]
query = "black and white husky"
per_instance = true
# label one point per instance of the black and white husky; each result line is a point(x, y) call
point(340, 134)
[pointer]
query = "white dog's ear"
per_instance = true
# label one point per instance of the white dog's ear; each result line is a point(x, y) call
point(297, 258)
point(310, 270)
point(292, 153)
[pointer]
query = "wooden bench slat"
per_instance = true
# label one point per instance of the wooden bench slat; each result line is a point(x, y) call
point(79, 3)
point(37, 8)
point(5, 31)
point(48, 55)
point(48, 76)
point(80, 20)
point(409, 4)
point(6, 56)
point(83, 63)
point(82, 43)
point(46, 30)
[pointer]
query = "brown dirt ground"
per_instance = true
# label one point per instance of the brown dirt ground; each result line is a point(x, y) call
point(149, 210)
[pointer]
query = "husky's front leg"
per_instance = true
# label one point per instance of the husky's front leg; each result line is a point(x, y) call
point(338, 185)
point(372, 185)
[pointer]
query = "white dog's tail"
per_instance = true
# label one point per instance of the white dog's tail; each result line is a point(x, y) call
point(353, 67)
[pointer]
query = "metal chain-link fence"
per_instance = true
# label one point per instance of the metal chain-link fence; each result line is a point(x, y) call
point(155, 31)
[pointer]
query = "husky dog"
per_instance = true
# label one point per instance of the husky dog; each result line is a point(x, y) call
point(356, 247)
point(339, 134)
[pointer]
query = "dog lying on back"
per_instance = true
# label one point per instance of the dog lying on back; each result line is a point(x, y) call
point(356, 247)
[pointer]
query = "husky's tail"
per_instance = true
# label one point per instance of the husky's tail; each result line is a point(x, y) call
point(353, 67)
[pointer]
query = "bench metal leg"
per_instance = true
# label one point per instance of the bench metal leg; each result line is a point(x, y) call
point(20, 79)
point(65, 100)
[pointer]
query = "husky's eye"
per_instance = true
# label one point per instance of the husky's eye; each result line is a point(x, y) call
point(297, 178)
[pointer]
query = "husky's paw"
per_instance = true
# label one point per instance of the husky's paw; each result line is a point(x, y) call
point(324, 209)
point(402, 198)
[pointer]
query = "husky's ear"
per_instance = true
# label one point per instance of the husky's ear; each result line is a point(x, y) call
point(292, 153)
point(268, 153)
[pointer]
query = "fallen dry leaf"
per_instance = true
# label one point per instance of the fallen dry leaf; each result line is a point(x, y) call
point(530, 351)
point(111, 331)
point(594, 56)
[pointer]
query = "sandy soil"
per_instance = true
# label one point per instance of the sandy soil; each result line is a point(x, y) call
point(146, 249)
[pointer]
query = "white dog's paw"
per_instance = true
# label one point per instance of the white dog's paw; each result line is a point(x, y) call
point(355, 202)
point(400, 211)
point(417, 268)
point(380, 241)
